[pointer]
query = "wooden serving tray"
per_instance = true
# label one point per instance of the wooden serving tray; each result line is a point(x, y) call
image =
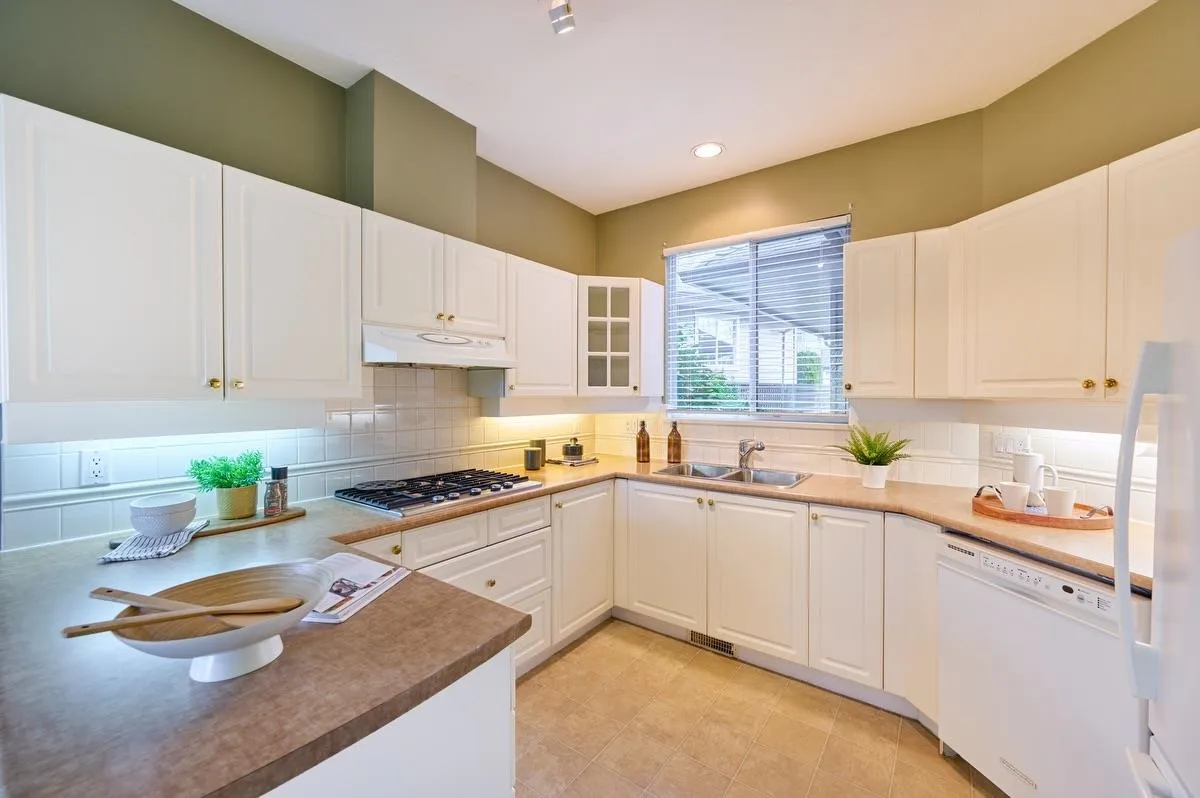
point(219, 527)
point(991, 507)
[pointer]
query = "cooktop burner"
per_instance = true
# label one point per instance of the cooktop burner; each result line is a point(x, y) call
point(422, 494)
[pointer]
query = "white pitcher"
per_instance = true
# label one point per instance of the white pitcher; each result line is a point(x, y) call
point(1028, 467)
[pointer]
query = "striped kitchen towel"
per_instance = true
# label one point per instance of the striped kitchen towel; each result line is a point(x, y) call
point(141, 547)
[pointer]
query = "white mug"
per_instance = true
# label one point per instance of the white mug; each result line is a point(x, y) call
point(1060, 502)
point(1013, 495)
point(1028, 468)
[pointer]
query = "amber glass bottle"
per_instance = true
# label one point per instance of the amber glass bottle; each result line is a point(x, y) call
point(674, 444)
point(643, 443)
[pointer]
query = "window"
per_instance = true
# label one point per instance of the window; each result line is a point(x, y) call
point(754, 326)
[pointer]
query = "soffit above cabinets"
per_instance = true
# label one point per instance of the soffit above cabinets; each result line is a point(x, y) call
point(607, 115)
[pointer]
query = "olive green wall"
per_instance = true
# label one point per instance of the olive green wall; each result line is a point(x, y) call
point(1136, 86)
point(922, 177)
point(516, 216)
point(157, 70)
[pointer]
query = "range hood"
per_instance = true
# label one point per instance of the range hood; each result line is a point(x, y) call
point(433, 348)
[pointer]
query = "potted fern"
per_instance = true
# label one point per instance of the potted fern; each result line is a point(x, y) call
point(874, 452)
point(235, 479)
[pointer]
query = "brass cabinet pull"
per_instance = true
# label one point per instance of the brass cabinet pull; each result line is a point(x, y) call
point(490, 583)
point(1111, 383)
point(558, 505)
point(1088, 384)
point(512, 387)
point(441, 316)
point(712, 503)
point(635, 389)
point(699, 500)
point(238, 384)
point(397, 549)
point(450, 317)
point(847, 387)
point(815, 517)
point(214, 383)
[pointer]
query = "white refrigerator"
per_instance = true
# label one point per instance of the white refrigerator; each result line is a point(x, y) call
point(1166, 671)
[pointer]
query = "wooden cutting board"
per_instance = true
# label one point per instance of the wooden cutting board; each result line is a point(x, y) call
point(219, 527)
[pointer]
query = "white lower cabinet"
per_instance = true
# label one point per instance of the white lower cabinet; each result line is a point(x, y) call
point(505, 573)
point(910, 617)
point(582, 533)
point(758, 574)
point(668, 554)
point(846, 593)
point(539, 637)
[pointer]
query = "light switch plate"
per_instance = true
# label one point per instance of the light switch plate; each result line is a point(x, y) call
point(1010, 443)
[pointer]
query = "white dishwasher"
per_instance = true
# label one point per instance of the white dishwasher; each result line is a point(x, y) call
point(1032, 688)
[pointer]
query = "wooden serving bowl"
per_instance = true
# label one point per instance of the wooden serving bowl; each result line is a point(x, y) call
point(217, 651)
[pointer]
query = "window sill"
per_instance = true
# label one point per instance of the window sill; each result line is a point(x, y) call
point(809, 422)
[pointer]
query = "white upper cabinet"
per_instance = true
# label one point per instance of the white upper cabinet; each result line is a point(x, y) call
point(622, 332)
point(541, 317)
point(583, 558)
point(668, 554)
point(112, 247)
point(1154, 198)
point(293, 312)
point(879, 285)
point(475, 288)
point(1034, 274)
point(937, 355)
point(846, 593)
point(910, 618)
point(402, 273)
point(758, 574)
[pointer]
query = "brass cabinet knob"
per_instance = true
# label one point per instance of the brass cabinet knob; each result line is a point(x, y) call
point(238, 384)
point(450, 317)
point(512, 387)
point(214, 383)
point(1088, 384)
point(1110, 383)
point(558, 505)
point(635, 389)
point(712, 503)
point(397, 549)
point(699, 500)
point(441, 316)
point(815, 517)
point(490, 583)
point(847, 387)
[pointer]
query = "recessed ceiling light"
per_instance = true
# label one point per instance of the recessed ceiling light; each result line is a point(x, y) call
point(562, 18)
point(709, 149)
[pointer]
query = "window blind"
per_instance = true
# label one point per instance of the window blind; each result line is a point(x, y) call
point(755, 326)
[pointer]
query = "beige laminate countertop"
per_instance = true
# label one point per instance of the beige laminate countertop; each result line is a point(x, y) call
point(91, 716)
point(1085, 552)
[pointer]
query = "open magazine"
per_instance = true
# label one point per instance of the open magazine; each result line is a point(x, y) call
point(357, 582)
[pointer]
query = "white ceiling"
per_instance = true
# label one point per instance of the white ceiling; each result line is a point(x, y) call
point(606, 115)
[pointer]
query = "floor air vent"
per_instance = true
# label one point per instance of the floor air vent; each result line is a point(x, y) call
point(713, 644)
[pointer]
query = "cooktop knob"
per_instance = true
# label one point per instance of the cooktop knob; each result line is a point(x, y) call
point(453, 496)
point(476, 491)
point(438, 499)
point(507, 485)
point(495, 486)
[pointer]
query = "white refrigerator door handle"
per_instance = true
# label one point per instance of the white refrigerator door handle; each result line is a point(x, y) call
point(1152, 377)
point(1147, 777)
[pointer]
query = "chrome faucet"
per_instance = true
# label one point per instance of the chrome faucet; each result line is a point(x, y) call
point(746, 448)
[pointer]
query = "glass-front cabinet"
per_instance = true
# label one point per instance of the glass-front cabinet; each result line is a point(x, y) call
point(610, 345)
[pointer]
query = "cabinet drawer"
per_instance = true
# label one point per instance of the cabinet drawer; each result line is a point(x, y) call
point(517, 519)
point(386, 547)
point(507, 572)
point(431, 544)
point(537, 639)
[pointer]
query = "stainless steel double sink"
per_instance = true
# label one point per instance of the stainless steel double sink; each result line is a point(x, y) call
point(747, 476)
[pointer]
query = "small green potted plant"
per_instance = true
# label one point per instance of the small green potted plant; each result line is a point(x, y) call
point(875, 452)
point(235, 479)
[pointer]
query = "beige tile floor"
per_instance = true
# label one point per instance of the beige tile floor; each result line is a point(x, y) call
point(627, 712)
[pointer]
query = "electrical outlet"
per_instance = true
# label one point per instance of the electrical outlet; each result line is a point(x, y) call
point(1010, 443)
point(93, 467)
point(629, 426)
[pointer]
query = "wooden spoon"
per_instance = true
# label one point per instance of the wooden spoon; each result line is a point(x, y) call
point(276, 604)
point(160, 604)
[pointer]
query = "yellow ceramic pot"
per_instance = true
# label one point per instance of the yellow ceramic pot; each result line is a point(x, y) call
point(237, 502)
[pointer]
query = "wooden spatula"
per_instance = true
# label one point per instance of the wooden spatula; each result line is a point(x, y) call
point(275, 604)
point(161, 604)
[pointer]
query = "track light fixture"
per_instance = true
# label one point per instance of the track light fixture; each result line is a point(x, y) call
point(562, 18)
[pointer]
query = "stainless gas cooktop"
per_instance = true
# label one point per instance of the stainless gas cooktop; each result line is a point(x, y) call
point(420, 495)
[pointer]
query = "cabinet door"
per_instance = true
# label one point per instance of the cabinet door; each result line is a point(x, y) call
point(1154, 198)
point(541, 325)
point(536, 641)
point(475, 288)
point(609, 336)
point(937, 349)
point(667, 552)
point(582, 548)
point(910, 618)
point(113, 263)
point(293, 292)
point(879, 311)
point(846, 593)
point(402, 273)
point(1034, 282)
point(758, 574)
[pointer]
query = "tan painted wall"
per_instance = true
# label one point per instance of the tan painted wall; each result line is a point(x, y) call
point(923, 177)
point(1135, 86)
point(516, 216)
point(155, 69)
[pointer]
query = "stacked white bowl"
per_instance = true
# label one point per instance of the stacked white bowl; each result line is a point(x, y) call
point(165, 514)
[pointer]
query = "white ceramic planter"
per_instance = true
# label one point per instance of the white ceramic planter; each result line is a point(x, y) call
point(874, 476)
